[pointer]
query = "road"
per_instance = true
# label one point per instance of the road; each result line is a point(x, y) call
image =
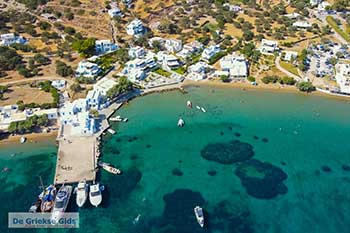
point(25, 80)
point(277, 63)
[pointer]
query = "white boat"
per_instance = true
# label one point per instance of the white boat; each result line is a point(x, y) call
point(95, 195)
point(111, 131)
point(61, 203)
point(125, 120)
point(47, 198)
point(189, 104)
point(203, 109)
point(23, 139)
point(199, 108)
point(82, 193)
point(109, 168)
point(181, 122)
point(198, 211)
point(118, 119)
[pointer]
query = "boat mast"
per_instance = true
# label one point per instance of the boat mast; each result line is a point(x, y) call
point(41, 183)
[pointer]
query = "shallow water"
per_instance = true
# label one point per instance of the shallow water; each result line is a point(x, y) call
point(165, 174)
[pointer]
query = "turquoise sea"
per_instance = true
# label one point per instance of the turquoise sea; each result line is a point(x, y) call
point(256, 161)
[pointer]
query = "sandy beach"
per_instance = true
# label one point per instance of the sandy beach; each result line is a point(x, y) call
point(32, 137)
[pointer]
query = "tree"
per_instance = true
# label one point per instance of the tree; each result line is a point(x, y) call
point(287, 80)
point(85, 47)
point(9, 58)
point(306, 87)
point(63, 69)
point(75, 87)
point(123, 85)
point(224, 78)
point(251, 79)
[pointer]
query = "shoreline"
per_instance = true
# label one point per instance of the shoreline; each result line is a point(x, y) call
point(38, 137)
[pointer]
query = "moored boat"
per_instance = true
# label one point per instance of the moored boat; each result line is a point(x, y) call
point(82, 193)
point(95, 195)
point(203, 109)
point(111, 131)
point(23, 139)
point(35, 206)
point(189, 104)
point(48, 198)
point(109, 168)
point(199, 108)
point(198, 211)
point(181, 122)
point(61, 203)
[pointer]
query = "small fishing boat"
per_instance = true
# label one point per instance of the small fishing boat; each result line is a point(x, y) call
point(95, 195)
point(111, 131)
point(61, 203)
point(203, 109)
point(181, 122)
point(35, 206)
point(125, 120)
point(199, 108)
point(117, 119)
point(82, 193)
point(198, 211)
point(109, 168)
point(23, 140)
point(189, 104)
point(48, 198)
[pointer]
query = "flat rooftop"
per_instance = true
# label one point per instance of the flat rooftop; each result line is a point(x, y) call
point(75, 160)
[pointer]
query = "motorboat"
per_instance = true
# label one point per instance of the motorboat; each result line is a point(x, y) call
point(181, 122)
point(109, 168)
point(35, 206)
point(23, 140)
point(189, 104)
point(48, 198)
point(198, 211)
point(111, 131)
point(95, 195)
point(199, 108)
point(203, 109)
point(61, 203)
point(82, 193)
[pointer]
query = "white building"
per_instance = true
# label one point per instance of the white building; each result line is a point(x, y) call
point(343, 77)
point(323, 5)
point(10, 38)
point(138, 68)
point(302, 24)
point(199, 67)
point(236, 65)
point(233, 8)
point(58, 84)
point(105, 46)
point(293, 15)
point(87, 69)
point(137, 52)
point(210, 52)
point(135, 28)
point(315, 2)
point(115, 12)
point(290, 55)
point(173, 46)
point(190, 49)
point(168, 61)
point(268, 46)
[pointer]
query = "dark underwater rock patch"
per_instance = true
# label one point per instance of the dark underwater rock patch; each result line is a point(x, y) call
point(212, 173)
point(228, 153)
point(230, 128)
point(221, 133)
point(265, 140)
point(178, 216)
point(237, 134)
point(177, 172)
point(283, 163)
point(326, 168)
point(148, 146)
point(261, 179)
point(345, 167)
point(256, 137)
point(118, 140)
point(134, 156)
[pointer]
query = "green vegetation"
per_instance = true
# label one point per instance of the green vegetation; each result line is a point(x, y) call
point(64, 70)
point(162, 72)
point(217, 57)
point(86, 47)
point(306, 87)
point(94, 113)
point(33, 4)
point(75, 87)
point(3, 89)
point(287, 80)
point(290, 67)
point(180, 70)
point(251, 79)
point(225, 78)
point(331, 21)
point(9, 58)
point(123, 85)
point(276, 79)
point(29, 125)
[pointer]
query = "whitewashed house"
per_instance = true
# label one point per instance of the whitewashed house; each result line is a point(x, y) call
point(315, 2)
point(87, 69)
point(137, 52)
point(190, 49)
point(168, 61)
point(210, 52)
point(290, 55)
point(293, 15)
point(115, 12)
point(233, 8)
point(323, 5)
point(94, 99)
point(237, 66)
point(302, 24)
point(135, 28)
point(198, 71)
point(58, 84)
point(173, 46)
point(105, 46)
point(268, 46)
point(10, 38)
point(137, 69)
